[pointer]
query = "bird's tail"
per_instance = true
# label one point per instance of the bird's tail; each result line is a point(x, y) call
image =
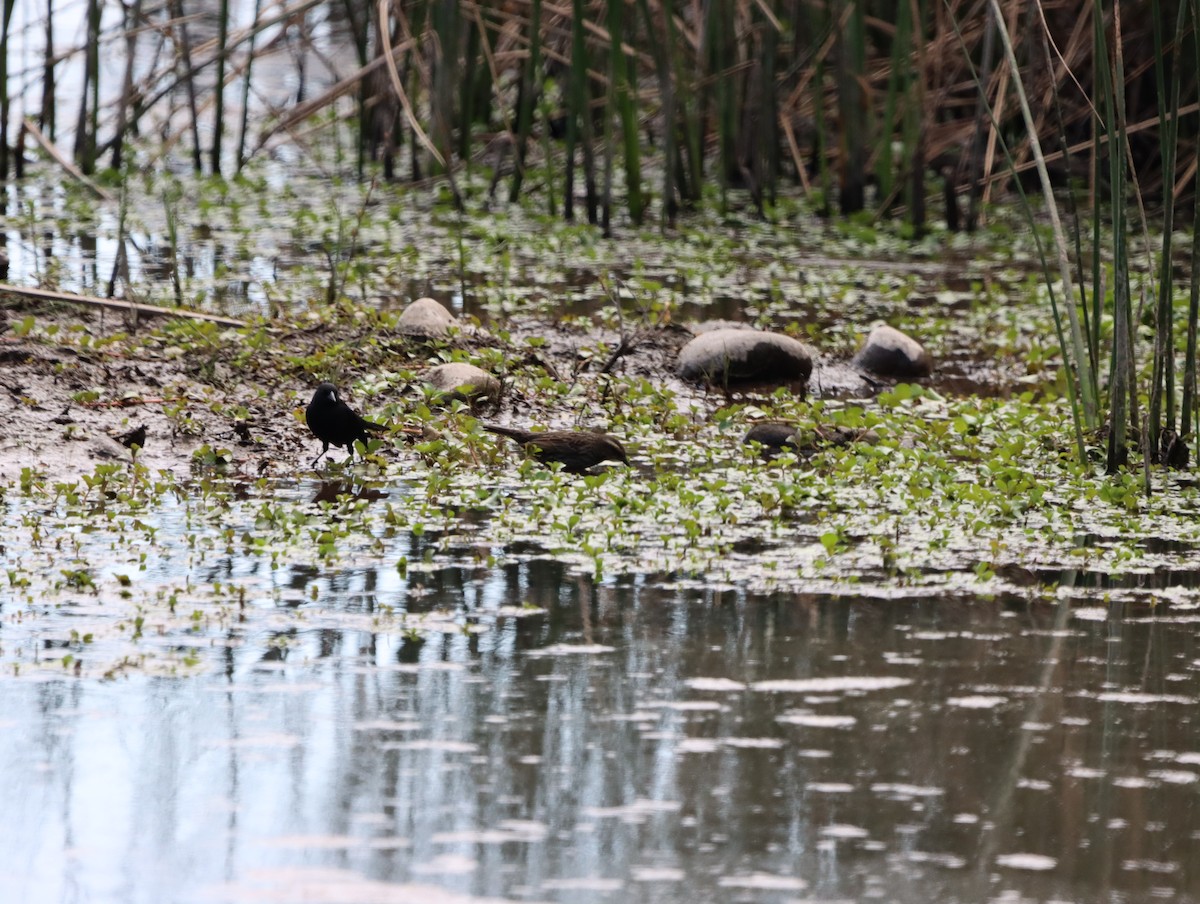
point(520, 436)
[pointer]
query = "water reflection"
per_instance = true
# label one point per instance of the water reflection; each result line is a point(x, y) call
point(1161, 578)
point(626, 741)
point(334, 490)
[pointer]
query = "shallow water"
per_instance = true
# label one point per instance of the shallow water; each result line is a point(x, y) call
point(456, 731)
point(629, 741)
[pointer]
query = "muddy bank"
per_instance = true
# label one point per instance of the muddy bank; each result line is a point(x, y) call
point(75, 380)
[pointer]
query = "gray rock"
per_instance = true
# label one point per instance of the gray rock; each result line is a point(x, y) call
point(426, 319)
point(890, 353)
point(464, 381)
point(732, 355)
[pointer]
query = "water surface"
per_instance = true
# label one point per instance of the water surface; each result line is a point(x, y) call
point(626, 741)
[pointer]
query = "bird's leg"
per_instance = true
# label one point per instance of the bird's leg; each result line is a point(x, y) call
point(324, 449)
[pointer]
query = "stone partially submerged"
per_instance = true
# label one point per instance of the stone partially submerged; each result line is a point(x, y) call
point(890, 353)
point(732, 355)
point(426, 319)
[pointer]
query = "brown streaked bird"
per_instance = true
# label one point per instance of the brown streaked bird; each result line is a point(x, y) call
point(334, 422)
point(576, 450)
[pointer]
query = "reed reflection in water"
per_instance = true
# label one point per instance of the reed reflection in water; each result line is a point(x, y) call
point(637, 741)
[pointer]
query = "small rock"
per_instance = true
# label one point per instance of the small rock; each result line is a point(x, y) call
point(731, 355)
point(890, 353)
point(426, 319)
point(465, 382)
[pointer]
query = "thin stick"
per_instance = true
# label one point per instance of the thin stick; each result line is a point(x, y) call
point(146, 310)
point(71, 169)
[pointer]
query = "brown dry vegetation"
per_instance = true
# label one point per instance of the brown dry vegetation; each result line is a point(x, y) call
point(830, 95)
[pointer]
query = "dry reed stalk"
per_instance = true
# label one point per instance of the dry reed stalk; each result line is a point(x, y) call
point(63, 161)
point(145, 310)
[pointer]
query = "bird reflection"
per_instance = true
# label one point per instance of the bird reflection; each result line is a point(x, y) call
point(333, 490)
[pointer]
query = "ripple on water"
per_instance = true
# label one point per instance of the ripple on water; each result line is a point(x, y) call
point(714, 684)
point(657, 874)
point(828, 685)
point(829, 787)
point(583, 883)
point(509, 832)
point(698, 745)
point(567, 649)
point(977, 701)
point(945, 861)
point(846, 832)
point(1150, 866)
point(387, 725)
point(1033, 862)
point(813, 720)
point(900, 792)
point(763, 882)
point(1133, 781)
point(753, 743)
point(1174, 776)
point(1139, 698)
point(637, 812)
point(429, 744)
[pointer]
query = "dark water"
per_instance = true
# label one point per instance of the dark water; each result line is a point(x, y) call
point(630, 743)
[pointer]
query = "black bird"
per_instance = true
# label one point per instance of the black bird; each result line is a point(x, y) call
point(334, 422)
point(576, 450)
point(134, 439)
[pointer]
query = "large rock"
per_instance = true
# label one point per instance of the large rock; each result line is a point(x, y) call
point(426, 319)
point(465, 382)
point(732, 355)
point(890, 353)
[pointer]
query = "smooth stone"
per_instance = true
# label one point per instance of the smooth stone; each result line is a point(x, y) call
point(730, 355)
point(890, 353)
point(427, 319)
point(464, 381)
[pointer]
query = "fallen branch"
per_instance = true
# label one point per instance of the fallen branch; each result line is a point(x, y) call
point(123, 403)
point(625, 347)
point(114, 304)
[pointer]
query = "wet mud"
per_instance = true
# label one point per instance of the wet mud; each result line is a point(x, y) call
point(65, 405)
